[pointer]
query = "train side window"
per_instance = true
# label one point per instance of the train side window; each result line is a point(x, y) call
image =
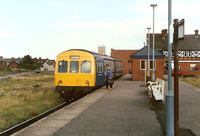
point(85, 67)
point(62, 66)
point(74, 67)
point(99, 67)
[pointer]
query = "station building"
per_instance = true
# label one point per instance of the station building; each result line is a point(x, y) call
point(142, 62)
point(134, 62)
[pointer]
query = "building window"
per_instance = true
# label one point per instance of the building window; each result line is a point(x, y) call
point(185, 53)
point(142, 64)
point(189, 53)
point(172, 53)
point(151, 64)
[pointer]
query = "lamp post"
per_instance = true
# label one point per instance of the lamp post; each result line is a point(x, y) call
point(153, 75)
point(148, 44)
point(170, 96)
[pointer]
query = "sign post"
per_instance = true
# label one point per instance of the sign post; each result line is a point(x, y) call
point(178, 35)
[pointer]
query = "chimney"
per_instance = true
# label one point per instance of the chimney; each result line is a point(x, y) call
point(196, 33)
point(164, 33)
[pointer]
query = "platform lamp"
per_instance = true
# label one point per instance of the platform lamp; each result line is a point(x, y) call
point(148, 44)
point(153, 74)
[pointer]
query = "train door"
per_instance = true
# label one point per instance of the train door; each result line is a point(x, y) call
point(100, 72)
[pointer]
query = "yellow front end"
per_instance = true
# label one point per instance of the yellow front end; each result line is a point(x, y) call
point(75, 68)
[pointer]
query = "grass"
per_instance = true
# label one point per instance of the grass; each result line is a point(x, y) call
point(24, 97)
point(5, 72)
point(192, 80)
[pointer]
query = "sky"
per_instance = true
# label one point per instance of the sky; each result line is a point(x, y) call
point(45, 28)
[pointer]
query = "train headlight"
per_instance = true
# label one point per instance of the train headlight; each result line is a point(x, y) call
point(87, 82)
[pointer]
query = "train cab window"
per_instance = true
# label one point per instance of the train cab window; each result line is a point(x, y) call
point(74, 67)
point(85, 67)
point(99, 67)
point(62, 66)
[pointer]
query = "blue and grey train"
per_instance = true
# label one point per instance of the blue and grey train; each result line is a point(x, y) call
point(80, 71)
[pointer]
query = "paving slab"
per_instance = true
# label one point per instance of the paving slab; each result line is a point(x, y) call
point(189, 101)
point(124, 111)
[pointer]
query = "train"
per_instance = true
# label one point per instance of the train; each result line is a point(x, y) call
point(79, 71)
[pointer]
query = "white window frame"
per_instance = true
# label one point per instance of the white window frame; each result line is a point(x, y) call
point(189, 54)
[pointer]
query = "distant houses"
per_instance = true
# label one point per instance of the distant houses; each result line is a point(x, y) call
point(11, 63)
point(3, 64)
point(14, 63)
point(48, 65)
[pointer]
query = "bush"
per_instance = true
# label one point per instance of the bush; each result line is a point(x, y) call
point(29, 64)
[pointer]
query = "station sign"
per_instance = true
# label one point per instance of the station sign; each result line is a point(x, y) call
point(181, 29)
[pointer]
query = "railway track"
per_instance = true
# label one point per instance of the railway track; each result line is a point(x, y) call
point(26, 123)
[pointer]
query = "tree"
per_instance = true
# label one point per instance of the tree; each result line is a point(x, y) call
point(28, 63)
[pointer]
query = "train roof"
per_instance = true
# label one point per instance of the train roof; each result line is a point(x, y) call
point(96, 55)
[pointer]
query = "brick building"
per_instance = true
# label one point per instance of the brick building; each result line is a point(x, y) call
point(14, 65)
point(189, 50)
point(124, 55)
point(3, 64)
point(140, 63)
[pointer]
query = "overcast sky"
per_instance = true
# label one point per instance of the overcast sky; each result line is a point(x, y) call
point(45, 28)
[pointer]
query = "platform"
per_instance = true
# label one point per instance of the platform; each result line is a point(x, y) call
point(123, 111)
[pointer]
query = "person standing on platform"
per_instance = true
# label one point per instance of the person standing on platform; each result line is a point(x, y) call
point(109, 77)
